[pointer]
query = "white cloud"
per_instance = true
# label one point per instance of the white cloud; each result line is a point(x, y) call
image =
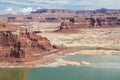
point(25, 10)
point(9, 10)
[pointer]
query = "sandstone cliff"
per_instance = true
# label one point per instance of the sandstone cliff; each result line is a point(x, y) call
point(89, 22)
point(22, 46)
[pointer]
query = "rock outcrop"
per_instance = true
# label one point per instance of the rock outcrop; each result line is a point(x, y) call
point(22, 46)
point(9, 27)
point(89, 22)
point(67, 27)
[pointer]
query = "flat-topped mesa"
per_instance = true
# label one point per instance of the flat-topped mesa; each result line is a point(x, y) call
point(87, 22)
point(22, 46)
point(96, 21)
point(106, 21)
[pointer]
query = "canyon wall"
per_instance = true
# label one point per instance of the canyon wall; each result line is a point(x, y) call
point(89, 22)
point(21, 46)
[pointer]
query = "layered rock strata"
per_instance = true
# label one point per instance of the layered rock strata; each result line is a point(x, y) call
point(89, 22)
point(22, 46)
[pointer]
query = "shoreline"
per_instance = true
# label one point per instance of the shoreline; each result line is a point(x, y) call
point(55, 60)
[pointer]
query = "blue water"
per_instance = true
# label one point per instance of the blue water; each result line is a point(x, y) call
point(75, 73)
point(102, 67)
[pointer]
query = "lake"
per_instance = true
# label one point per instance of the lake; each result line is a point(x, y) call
point(102, 67)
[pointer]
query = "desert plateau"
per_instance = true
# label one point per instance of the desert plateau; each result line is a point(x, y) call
point(59, 40)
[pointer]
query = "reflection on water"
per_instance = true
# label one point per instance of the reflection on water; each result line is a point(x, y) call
point(14, 74)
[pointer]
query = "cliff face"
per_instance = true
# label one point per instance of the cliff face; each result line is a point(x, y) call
point(97, 22)
point(22, 46)
point(26, 40)
point(67, 27)
point(89, 22)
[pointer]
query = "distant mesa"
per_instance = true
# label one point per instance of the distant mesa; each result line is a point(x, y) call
point(72, 24)
point(77, 12)
point(55, 15)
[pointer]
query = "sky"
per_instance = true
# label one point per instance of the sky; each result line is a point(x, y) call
point(26, 6)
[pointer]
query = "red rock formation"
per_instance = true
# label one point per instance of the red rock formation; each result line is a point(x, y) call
point(22, 46)
point(10, 27)
point(71, 24)
point(67, 27)
point(33, 41)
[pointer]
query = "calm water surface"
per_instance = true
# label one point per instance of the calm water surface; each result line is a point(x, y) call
point(102, 67)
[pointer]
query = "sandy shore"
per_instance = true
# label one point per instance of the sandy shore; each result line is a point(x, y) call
point(55, 60)
point(50, 60)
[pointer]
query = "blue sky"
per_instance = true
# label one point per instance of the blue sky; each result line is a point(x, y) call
point(26, 6)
